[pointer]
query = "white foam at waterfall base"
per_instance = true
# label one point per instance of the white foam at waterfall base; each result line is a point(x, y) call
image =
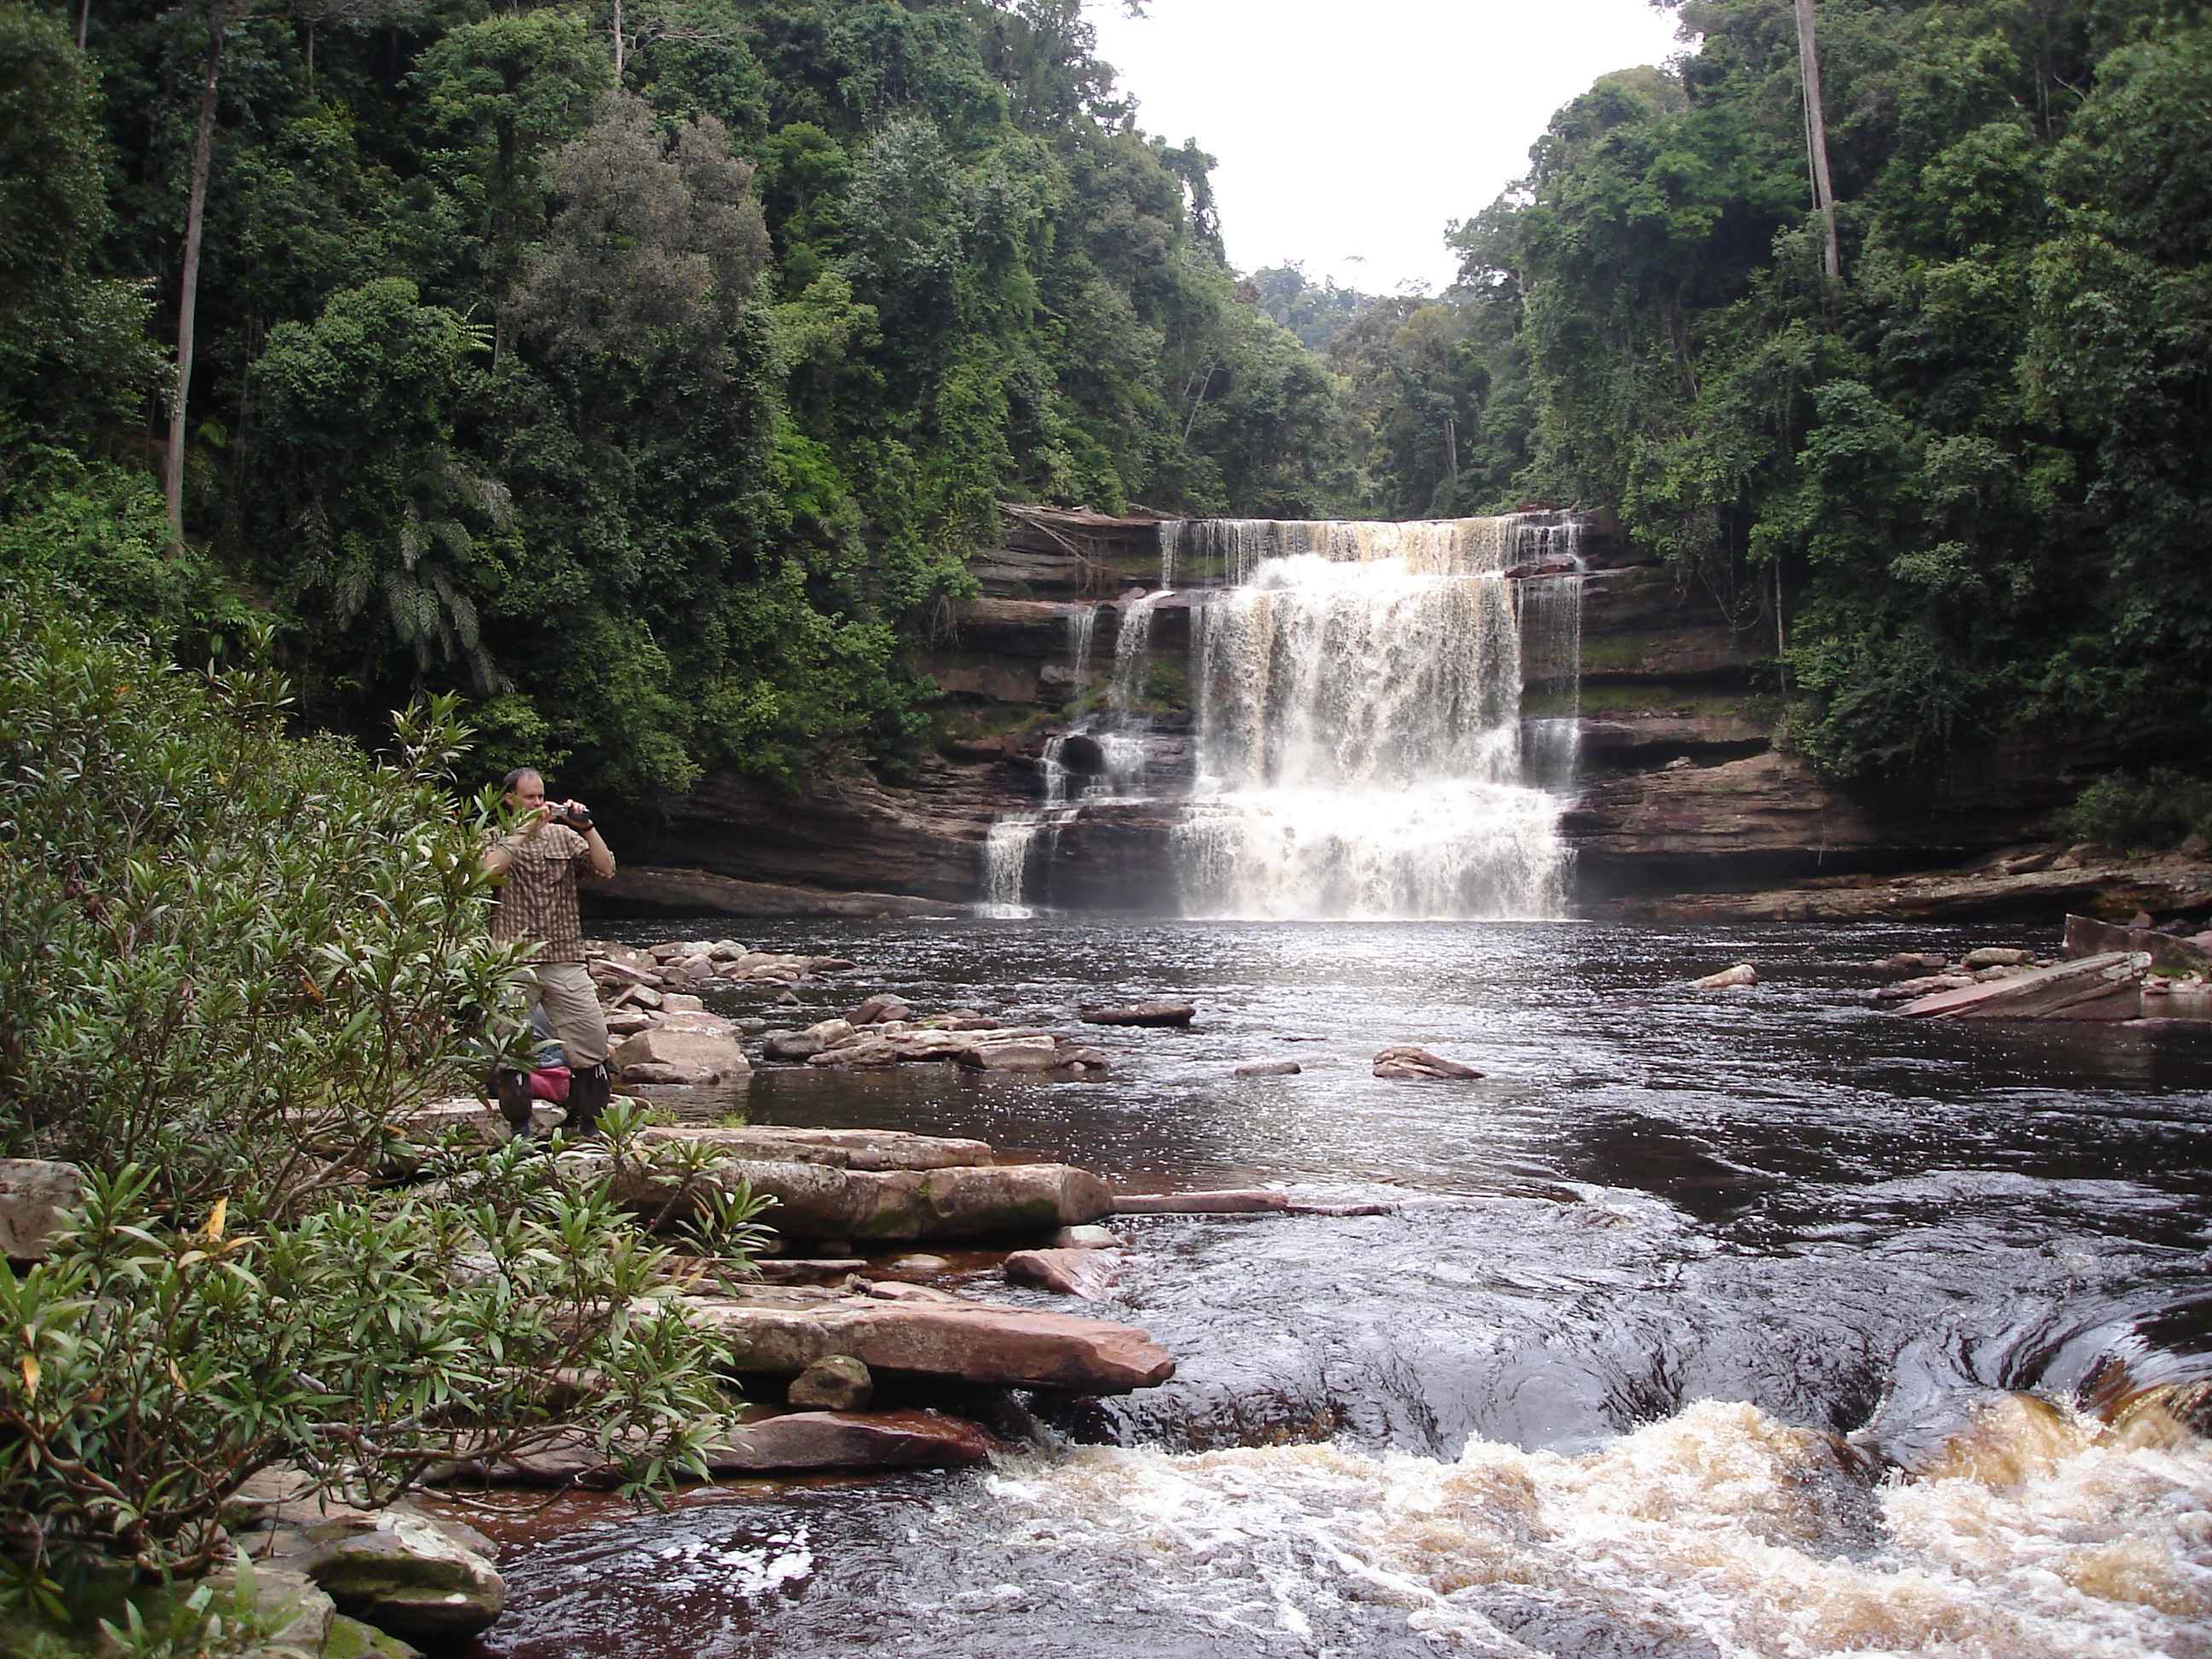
point(1359, 741)
point(1719, 1525)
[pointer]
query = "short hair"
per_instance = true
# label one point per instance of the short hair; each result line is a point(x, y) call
point(513, 780)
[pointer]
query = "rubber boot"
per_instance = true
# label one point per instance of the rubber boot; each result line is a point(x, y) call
point(589, 1090)
point(512, 1090)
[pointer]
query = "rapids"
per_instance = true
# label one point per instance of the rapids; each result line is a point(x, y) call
point(1670, 1303)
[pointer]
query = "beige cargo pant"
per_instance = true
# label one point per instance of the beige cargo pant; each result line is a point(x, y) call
point(571, 1001)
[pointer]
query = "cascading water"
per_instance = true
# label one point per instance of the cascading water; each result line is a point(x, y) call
point(1386, 718)
point(1360, 743)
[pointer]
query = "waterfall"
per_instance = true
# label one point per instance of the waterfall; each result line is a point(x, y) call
point(1386, 720)
point(1359, 725)
point(1008, 842)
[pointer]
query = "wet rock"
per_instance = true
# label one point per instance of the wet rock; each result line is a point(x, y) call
point(350, 1638)
point(921, 1264)
point(835, 1382)
point(832, 1032)
point(967, 1019)
point(1915, 961)
point(404, 1574)
point(1742, 973)
point(790, 1045)
point(1021, 1055)
point(2100, 988)
point(1270, 1068)
point(809, 1270)
point(693, 1050)
point(1079, 1057)
point(892, 1289)
point(2087, 937)
point(967, 1341)
point(1086, 1238)
point(879, 1009)
point(815, 1201)
point(33, 1194)
point(1086, 1274)
point(1996, 955)
point(1242, 1201)
point(866, 1054)
point(843, 1148)
point(1906, 990)
point(1142, 1013)
point(827, 1440)
point(1404, 1062)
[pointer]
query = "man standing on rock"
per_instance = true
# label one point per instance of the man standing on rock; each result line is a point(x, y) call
point(552, 843)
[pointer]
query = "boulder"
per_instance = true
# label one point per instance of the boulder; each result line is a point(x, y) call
point(835, 1382)
point(973, 1342)
point(2100, 988)
point(832, 1032)
point(843, 1148)
point(816, 1201)
point(790, 1045)
point(676, 1002)
point(628, 1021)
point(1270, 1068)
point(277, 1588)
point(350, 1638)
point(1020, 1054)
point(1079, 1057)
point(1141, 1013)
point(1742, 973)
point(403, 1573)
point(1996, 955)
point(1248, 1201)
point(1404, 1062)
point(1086, 1238)
point(690, 1049)
point(2087, 937)
point(33, 1194)
point(1086, 1274)
point(857, 1056)
point(879, 1008)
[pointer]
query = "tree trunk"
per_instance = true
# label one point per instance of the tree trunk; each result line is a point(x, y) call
point(172, 471)
point(84, 22)
point(1816, 138)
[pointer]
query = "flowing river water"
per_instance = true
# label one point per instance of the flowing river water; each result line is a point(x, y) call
point(1583, 1390)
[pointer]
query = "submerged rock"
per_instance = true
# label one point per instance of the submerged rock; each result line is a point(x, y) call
point(1404, 1062)
point(1141, 1013)
point(1240, 1202)
point(1742, 973)
point(1270, 1068)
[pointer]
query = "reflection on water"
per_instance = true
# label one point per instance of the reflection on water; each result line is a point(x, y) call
point(1640, 1275)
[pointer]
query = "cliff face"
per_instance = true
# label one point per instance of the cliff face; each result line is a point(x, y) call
point(1681, 785)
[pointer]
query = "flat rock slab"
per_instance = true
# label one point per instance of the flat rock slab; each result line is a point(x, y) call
point(33, 1194)
point(961, 1341)
point(1270, 1068)
point(2108, 987)
point(1241, 1202)
point(1141, 1013)
point(1088, 1273)
point(795, 1442)
point(842, 1149)
point(818, 1200)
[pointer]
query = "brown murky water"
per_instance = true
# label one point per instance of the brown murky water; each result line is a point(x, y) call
point(1579, 1393)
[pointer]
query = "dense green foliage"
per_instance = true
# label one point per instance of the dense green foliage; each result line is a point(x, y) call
point(232, 962)
point(1976, 476)
point(654, 409)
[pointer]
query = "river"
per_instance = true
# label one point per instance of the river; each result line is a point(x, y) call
point(1575, 1395)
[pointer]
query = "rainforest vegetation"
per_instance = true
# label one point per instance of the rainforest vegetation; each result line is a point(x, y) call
point(643, 370)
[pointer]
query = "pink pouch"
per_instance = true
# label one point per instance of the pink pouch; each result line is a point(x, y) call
point(551, 1083)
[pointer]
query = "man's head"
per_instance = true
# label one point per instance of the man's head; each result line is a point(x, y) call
point(526, 789)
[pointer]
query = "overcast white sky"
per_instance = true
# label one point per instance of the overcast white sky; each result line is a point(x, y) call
point(1347, 134)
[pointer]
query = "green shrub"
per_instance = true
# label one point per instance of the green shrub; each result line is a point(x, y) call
point(2160, 809)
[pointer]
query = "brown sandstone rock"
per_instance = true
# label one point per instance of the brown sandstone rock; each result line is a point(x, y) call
point(815, 1201)
point(34, 1193)
point(1249, 1201)
point(969, 1342)
point(1086, 1274)
point(2100, 988)
point(1405, 1062)
point(843, 1148)
point(698, 1050)
point(1141, 1013)
point(836, 1382)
